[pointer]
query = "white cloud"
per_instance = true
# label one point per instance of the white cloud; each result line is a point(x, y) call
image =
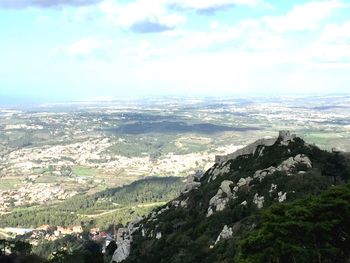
point(145, 16)
point(246, 35)
point(336, 34)
point(263, 40)
point(205, 40)
point(214, 25)
point(143, 51)
point(303, 17)
point(141, 16)
point(83, 47)
point(211, 4)
point(333, 45)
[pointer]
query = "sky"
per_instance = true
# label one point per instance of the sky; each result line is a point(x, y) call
point(56, 50)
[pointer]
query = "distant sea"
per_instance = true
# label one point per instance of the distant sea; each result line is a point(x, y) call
point(18, 102)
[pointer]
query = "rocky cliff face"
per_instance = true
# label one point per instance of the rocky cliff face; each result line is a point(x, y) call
point(212, 215)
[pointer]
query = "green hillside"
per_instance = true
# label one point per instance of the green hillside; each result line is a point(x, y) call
point(303, 218)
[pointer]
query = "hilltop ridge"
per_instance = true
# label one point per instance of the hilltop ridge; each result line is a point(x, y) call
point(215, 217)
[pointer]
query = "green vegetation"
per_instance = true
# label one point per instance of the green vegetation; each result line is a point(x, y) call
point(117, 204)
point(83, 171)
point(8, 184)
point(311, 230)
point(188, 235)
point(13, 251)
point(69, 249)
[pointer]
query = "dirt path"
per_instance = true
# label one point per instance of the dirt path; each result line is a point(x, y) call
point(114, 210)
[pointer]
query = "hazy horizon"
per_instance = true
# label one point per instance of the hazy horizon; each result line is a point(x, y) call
point(72, 50)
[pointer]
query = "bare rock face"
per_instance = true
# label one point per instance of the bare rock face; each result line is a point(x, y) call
point(122, 251)
point(220, 169)
point(222, 197)
point(289, 166)
point(244, 181)
point(123, 242)
point(190, 184)
point(226, 233)
point(282, 196)
point(159, 235)
point(259, 200)
point(261, 174)
point(180, 203)
point(226, 192)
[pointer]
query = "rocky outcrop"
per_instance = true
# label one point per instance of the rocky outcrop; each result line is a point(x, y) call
point(218, 170)
point(284, 138)
point(226, 192)
point(159, 235)
point(180, 203)
point(191, 183)
point(226, 233)
point(122, 251)
point(124, 240)
point(259, 200)
point(219, 201)
point(282, 196)
point(290, 166)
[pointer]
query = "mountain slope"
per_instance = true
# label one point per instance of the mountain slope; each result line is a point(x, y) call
point(216, 218)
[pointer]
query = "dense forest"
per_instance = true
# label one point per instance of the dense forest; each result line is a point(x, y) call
point(313, 229)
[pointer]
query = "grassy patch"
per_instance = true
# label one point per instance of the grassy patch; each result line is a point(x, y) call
point(8, 184)
point(83, 171)
point(46, 179)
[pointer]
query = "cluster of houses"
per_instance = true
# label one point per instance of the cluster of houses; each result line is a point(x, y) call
point(51, 233)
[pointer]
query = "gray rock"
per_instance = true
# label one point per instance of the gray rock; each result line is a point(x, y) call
point(122, 252)
point(244, 181)
point(159, 235)
point(225, 193)
point(225, 187)
point(282, 196)
point(220, 169)
point(190, 184)
point(259, 200)
point(289, 166)
point(244, 203)
point(222, 197)
point(273, 188)
point(261, 174)
point(226, 233)
point(183, 203)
